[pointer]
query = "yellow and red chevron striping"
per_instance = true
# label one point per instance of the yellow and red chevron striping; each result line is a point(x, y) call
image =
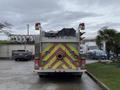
point(50, 58)
point(46, 66)
point(51, 61)
point(63, 62)
point(70, 49)
point(51, 53)
point(69, 57)
point(48, 49)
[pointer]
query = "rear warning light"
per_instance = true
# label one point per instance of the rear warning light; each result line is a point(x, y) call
point(37, 63)
point(82, 63)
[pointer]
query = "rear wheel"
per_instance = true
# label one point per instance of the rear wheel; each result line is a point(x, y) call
point(80, 75)
point(41, 75)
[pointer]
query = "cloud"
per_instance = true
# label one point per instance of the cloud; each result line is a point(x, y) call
point(66, 18)
point(56, 14)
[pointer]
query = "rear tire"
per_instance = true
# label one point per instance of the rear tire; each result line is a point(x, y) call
point(79, 75)
point(41, 75)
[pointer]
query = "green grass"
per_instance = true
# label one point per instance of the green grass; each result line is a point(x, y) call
point(4, 42)
point(109, 74)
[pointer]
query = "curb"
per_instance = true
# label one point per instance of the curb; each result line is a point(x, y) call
point(102, 85)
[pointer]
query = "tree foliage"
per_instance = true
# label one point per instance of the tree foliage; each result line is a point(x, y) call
point(111, 38)
point(5, 24)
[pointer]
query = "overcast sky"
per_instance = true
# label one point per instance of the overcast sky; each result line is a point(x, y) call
point(56, 14)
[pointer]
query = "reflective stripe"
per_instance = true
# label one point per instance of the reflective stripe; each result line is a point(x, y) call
point(72, 48)
point(48, 47)
point(64, 66)
point(51, 61)
point(67, 52)
point(57, 65)
point(51, 53)
point(70, 64)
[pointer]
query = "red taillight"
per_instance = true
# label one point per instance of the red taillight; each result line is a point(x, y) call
point(82, 63)
point(37, 63)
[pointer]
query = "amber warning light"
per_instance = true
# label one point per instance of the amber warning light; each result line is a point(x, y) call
point(82, 26)
point(37, 26)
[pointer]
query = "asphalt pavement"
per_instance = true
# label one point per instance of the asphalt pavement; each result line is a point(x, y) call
point(20, 76)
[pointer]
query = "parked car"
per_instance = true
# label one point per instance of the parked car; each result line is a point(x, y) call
point(22, 55)
point(114, 57)
point(96, 54)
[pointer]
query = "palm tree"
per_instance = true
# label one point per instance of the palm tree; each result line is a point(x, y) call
point(116, 48)
point(106, 35)
point(5, 25)
point(99, 41)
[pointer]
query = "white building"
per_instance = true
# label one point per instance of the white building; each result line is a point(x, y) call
point(22, 38)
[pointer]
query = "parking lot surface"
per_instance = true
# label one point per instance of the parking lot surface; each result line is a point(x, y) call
point(20, 76)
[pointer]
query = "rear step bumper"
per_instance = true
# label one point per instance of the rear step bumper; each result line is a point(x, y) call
point(73, 71)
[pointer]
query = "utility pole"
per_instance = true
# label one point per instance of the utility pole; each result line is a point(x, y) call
point(28, 29)
point(27, 36)
point(27, 39)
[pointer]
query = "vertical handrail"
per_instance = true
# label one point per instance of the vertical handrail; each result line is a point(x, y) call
point(78, 38)
point(40, 39)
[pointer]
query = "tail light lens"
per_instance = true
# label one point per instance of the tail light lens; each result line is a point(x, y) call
point(82, 63)
point(37, 63)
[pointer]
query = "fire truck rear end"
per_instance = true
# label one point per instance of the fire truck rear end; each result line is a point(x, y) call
point(57, 53)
